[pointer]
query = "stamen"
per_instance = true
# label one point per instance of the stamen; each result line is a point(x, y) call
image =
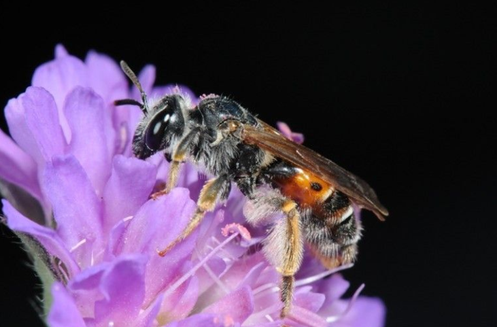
point(210, 248)
point(301, 282)
point(322, 275)
point(202, 262)
point(83, 241)
point(214, 277)
point(349, 306)
point(264, 287)
point(226, 253)
point(63, 270)
point(98, 255)
point(127, 218)
point(217, 280)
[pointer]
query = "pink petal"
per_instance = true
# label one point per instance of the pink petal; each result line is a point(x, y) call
point(181, 302)
point(287, 132)
point(305, 318)
point(85, 289)
point(34, 124)
point(265, 324)
point(216, 266)
point(237, 305)
point(209, 226)
point(89, 278)
point(76, 207)
point(64, 312)
point(204, 320)
point(245, 272)
point(366, 312)
point(106, 77)
point(47, 237)
point(92, 133)
point(123, 287)
point(333, 287)
point(17, 167)
point(155, 225)
point(60, 51)
point(159, 222)
point(131, 180)
point(254, 274)
point(114, 243)
point(308, 300)
point(147, 317)
point(163, 271)
point(59, 77)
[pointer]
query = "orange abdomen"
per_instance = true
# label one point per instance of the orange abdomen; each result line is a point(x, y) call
point(305, 188)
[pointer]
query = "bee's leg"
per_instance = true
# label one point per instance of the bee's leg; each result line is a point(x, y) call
point(212, 190)
point(179, 156)
point(283, 246)
point(292, 254)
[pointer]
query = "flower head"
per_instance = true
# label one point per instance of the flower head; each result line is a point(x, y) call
point(81, 203)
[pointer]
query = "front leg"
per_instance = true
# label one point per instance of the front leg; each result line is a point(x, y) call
point(211, 192)
point(179, 156)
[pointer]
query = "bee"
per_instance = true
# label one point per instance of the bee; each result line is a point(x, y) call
point(315, 195)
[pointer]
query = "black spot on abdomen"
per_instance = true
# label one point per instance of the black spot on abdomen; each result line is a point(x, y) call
point(316, 186)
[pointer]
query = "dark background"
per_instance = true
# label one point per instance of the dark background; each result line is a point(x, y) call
point(398, 93)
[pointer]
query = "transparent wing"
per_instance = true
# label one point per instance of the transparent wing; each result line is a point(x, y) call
point(269, 139)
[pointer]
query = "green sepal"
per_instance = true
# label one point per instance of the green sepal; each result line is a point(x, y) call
point(43, 266)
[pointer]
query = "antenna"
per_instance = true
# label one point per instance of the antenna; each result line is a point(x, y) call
point(132, 76)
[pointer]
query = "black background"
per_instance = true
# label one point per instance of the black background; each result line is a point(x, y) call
point(398, 93)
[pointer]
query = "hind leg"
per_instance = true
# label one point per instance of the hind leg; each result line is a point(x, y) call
point(284, 245)
point(291, 256)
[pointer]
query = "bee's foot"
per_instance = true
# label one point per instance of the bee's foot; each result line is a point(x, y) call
point(158, 194)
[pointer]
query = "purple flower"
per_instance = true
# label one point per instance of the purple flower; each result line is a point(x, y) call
point(80, 203)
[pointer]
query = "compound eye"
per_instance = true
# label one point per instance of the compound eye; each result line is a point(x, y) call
point(157, 129)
